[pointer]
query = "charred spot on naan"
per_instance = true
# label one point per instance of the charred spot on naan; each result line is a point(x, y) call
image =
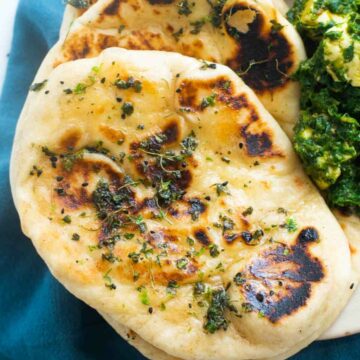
point(194, 48)
point(258, 143)
point(72, 190)
point(156, 164)
point(76, 47)
point(255, 133)
point(84, 45)
point(70, 140)
point(279, 281)
point(202, 236)
point(258, 137)
point(160, 2)
point(112, 8)
point(146, 40)
point(220, 88)
point(263, 56)
point(170, 134)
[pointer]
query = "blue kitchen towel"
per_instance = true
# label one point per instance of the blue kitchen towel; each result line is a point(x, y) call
point(39, 319)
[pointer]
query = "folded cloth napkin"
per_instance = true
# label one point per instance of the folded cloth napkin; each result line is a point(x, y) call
point(39, 319)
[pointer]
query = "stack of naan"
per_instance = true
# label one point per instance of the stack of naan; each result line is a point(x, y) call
point(153, 172)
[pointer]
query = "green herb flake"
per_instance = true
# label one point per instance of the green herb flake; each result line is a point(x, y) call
point(206, 65)
point(222, 188)
point(75, 237)
point(199, 288)
point(275, 27)
point(197, 25)
point(182, 263)
point(178, 34)
point(226, 84)
point(79, 4)
point(215, 316)
point(93, 247)
point(248, 211)
point(144, 297)
point(184, 7)
point(80, 88)
point(208, 101)
point(127, 109)
point(108, 281)
point(290, 225)
point(215, 15)
point(130, 83)
point(239, 279)
point(214, 250)
point(171, 287)
point(38, 86)
point(134, 256)
point(67, 219)
point(129, 236)
point(226, 224)
point(349, 53)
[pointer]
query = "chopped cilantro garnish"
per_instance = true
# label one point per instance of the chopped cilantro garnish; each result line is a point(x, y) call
point(129, 83)
point(171, 287)
point(127, 109)
point(67, 219)
point(290, 225)
point(182, 263)
point(214, 250)
point(75, 237)
point(275, 27)
point(144, 297)
point(79, 4)
point(248, 211)
point(215, 317)
point(184, 7)
point(178, 33)
point(38, 86)
point(206, 65)
point(208, 101)
point(108, 281)
point(221, 188)
point(239, 279)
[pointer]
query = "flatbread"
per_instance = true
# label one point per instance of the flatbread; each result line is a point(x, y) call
point(146, 349)
point(350, 224)
point(279, 248)
point(252, 37)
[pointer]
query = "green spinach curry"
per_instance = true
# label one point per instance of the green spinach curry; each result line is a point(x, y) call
point(327, 135)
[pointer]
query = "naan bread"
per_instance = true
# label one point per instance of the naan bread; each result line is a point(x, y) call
point(146, 349)
point(72, 12)
point(350, 225)
point(251, 37)
point(149, 178)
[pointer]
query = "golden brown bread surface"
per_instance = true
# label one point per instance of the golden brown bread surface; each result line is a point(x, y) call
point(251, 37)
point(147, 174)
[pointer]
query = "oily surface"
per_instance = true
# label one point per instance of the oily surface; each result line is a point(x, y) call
point(169, 232)
point(253, 38)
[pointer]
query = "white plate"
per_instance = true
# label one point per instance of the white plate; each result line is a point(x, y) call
point(349, 320)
